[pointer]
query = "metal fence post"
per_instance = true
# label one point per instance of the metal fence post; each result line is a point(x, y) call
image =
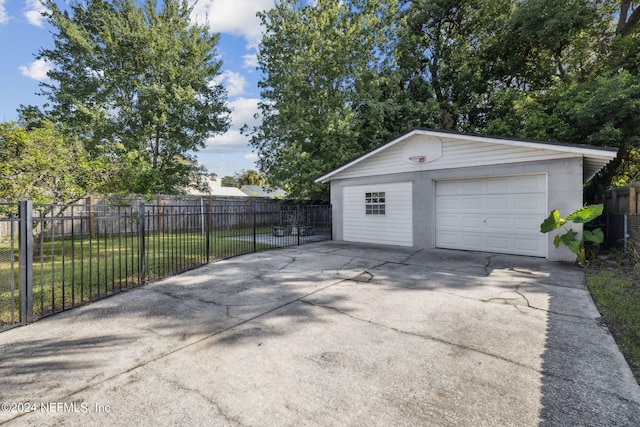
point(298, 222)
point(25, 209)
point(255, 246)
point(207, 229)
point(330, 222)
point(626, 232)
point(141, 248)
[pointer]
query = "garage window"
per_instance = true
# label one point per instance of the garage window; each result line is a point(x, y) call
point(374, 203)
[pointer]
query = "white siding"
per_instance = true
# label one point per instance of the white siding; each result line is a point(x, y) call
point(497, 214)
point(455, 153)
point(393, 228)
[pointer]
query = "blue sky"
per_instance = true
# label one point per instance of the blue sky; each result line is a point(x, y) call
point(23, 32)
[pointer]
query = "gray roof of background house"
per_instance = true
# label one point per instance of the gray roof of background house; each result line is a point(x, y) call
point(259, 191)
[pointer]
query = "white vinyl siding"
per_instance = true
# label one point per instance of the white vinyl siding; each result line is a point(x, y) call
point(497, 214)
point(455, 153)
point(393, 227)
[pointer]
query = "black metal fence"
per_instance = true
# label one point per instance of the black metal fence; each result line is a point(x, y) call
point(56, 257)
point(9, 291)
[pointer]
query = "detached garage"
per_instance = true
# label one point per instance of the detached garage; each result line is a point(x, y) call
point(439, 189)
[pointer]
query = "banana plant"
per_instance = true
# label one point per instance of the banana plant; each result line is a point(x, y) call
point(570, 237)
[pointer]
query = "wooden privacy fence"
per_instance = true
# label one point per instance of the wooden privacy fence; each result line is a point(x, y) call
point(621, 214)
point(91, 214)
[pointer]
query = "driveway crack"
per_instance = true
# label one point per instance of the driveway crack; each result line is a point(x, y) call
point(486, 267)
point(291, 261)
point(228, 418)
point(423, 336)
point(406, 260)
point(165, 354)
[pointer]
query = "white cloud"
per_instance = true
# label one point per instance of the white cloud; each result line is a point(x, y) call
point(236, 17)
point(234, 82)
point(4, 17)
point(34, 13)
point(230, 141)
point(243, 112)
point(37, 69)
point(253, 157)
point(250, 61)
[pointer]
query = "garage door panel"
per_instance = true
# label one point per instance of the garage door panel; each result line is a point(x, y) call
point(447, 239)
point(446, 187)
point(497, 185)
point(470, 187)
point(448, 203)
point(470, 222)
point(532, 224)
point(449, 221)
point(499, 224)
point(529, 184)
point(536, 203)
point(530, 245)
point(492, 214)
point(472, 240)
point(498, 243)
point(471, 203)
point(499, 203)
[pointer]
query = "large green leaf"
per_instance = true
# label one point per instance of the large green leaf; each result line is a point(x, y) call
point(552, 222)
point(586, 214)
point(595, 236)
point(575, 247)
point(569, 238)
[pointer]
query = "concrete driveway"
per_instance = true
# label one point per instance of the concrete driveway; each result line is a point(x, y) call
point(328, 334)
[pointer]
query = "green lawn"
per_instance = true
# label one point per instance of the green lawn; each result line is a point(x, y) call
point(67, 273)
point(616, 293)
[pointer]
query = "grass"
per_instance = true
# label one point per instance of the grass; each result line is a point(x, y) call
point(69, 272)
point(615, 289)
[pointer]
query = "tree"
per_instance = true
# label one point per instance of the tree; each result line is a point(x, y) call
point(136, 83)
point(317, 63)
point(228, 181)
point(44, 166)
point(442, 52)
point(581, 82)
point(250, 177)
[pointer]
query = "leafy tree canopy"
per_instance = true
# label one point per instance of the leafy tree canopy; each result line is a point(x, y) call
point(251, 177)
point(45, 166)
point(343, 76)
point(319, 62)
point(135, 82)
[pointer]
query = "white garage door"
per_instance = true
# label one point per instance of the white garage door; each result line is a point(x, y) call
point(501, 214)
point(380, 213)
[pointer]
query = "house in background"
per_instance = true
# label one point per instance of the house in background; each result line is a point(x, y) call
point(260, 191)
point(212, 186)
point(440, 189)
